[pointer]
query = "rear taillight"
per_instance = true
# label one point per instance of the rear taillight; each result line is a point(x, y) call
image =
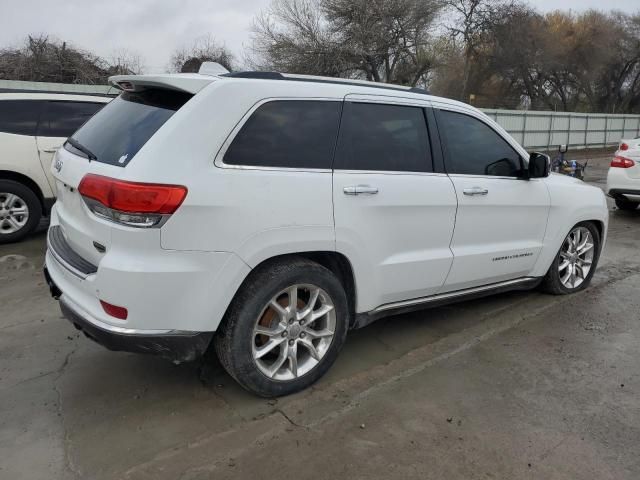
point(624, 146)
point(622, 162)
point(131, 203)
point(115, 311)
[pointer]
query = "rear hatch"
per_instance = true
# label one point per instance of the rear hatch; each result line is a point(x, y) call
point(105, 145)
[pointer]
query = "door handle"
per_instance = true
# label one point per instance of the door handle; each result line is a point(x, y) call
point(360, 190)
point(475, 191)
point(51, 150)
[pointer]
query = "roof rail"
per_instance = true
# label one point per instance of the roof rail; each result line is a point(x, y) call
point(261, 75)
point(336, 81)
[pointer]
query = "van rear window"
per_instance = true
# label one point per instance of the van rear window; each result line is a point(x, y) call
point(117, 132)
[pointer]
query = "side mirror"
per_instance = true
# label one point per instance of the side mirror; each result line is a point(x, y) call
point(539, 165)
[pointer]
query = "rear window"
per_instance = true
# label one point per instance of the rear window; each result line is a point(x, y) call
point(117, 132)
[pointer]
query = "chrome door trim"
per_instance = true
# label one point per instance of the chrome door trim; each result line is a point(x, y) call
point(450, 295)
point(475, 191)
point(360, 190)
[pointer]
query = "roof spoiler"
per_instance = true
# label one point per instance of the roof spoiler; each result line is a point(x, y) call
point(212, 68)
point(185, 82)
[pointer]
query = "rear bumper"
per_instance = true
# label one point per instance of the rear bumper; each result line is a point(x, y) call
point(176, 346)
point(620, 184)
point(164, 290)
point(630, 194)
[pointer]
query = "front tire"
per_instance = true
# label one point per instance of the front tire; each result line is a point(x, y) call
point(624, 204)
point(284, 328)
point(20, 211)
point(576, 261)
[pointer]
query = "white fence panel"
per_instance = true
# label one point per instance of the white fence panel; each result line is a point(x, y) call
point(547, 130)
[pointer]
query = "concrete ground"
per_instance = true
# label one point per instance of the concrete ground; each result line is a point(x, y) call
point(520, 385)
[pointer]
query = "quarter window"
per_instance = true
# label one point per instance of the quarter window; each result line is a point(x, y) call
point(20, 117)
point(474, 148)
point(383, 138)
point(288, 134)
point(62, 119)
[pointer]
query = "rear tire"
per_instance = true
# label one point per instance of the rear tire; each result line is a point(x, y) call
point(20, 211)
point(272, 349)
point(624, 204)
point(569, 257)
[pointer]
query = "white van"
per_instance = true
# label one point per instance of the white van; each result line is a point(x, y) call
point(32, 127)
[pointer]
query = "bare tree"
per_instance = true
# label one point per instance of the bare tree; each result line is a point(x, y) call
point(380, 40)
point(204, 49)
point(42, 59)
point(292, 36)
point(126, 62)
point(473, 21)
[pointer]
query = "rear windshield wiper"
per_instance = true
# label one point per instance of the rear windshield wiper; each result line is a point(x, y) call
point(78, 146)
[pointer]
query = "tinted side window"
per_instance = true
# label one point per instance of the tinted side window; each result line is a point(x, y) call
point(474, 148)
point(383, 137)
point(20, 116)
point(287, 133)
point(62, 119)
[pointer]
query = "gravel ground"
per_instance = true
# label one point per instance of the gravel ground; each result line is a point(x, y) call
point(520, 385)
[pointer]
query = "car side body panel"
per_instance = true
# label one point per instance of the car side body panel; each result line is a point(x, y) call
point(19, 154)
point(572, 202)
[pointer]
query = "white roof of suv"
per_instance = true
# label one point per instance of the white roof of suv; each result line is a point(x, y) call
point(195, 82)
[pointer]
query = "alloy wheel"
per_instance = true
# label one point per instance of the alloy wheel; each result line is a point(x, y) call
point(293, 332)
point(576, 257)
point(14, 213)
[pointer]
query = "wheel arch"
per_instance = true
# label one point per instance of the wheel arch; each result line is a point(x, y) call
point(334, 261)
point(553, 244)
point(599, 224)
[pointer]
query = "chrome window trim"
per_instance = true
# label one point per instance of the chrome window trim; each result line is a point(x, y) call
point(387, 100)
point(219, 158)
point(390, 172)
point(469, 175)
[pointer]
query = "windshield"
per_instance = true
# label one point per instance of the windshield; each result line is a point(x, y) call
point(117, 132)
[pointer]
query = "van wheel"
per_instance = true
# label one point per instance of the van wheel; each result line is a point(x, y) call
point(284, 328)
point(575, 263)
point(624, 204)
point(20, 211)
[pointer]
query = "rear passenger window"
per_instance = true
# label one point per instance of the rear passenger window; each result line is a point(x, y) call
point(474, 148)
point(289, 134)
point(383, 137)
point(20, 117)
point(62, 119)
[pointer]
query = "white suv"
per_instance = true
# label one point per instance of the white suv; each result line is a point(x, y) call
point(32, 127)
point(263, 215)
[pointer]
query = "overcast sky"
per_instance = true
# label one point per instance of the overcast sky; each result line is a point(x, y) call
point(155, 28)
